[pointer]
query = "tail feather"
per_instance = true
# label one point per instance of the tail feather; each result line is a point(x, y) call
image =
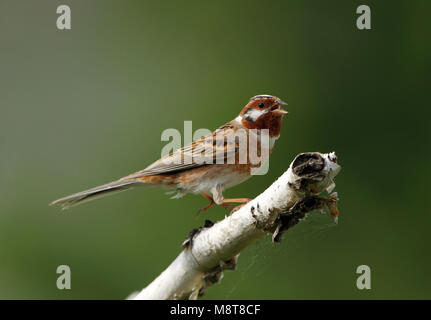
point(94, 193)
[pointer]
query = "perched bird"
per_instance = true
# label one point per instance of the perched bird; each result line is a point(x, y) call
point(210, 164)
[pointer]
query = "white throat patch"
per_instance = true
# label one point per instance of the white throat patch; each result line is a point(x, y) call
point(253, 114)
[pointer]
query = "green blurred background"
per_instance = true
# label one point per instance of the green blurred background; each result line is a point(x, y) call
point(83, 107)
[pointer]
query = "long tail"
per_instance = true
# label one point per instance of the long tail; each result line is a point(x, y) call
point(95, 193)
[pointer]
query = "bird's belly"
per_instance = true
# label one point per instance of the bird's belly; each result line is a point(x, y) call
point(205, 178)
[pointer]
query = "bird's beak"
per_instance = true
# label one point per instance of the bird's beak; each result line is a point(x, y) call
point(282, 103)
point(279, 110)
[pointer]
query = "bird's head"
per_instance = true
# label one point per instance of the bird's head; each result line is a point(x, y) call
point(263, 112)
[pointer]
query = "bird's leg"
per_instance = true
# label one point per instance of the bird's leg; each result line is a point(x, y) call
point(236, 200)
point(226, 203)
point(227, 206)
point(209, 205)
point(212, 202)
point(243, 202)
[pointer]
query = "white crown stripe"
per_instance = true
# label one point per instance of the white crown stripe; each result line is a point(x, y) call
point(262, 96)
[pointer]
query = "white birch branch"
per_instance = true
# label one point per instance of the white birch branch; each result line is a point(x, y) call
point(210, 250)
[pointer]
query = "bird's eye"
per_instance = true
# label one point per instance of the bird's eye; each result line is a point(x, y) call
point(261, 105)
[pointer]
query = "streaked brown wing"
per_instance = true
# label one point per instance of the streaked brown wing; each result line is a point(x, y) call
point(214, 148)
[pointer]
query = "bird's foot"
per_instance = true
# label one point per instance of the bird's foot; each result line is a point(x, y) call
point(225, 203)
point(209, 205)
point(243, 202)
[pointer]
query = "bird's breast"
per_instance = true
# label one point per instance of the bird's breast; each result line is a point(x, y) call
point(203, 179)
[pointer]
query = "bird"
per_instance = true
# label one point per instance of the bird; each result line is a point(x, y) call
point(208, 165)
